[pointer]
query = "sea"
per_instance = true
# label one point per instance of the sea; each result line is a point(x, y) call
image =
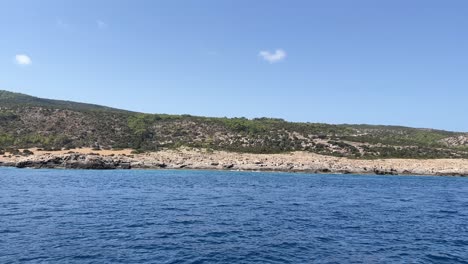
point(190, 216)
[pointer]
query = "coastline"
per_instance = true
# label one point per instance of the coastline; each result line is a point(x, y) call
point(201, 159)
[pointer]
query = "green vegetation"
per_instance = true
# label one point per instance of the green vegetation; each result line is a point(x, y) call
point(27, 121)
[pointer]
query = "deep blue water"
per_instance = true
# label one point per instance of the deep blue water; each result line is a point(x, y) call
point(74, 216)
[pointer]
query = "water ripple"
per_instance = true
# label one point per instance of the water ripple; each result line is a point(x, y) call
point(60, 216)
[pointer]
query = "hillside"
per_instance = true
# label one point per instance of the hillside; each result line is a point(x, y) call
point(27, 121)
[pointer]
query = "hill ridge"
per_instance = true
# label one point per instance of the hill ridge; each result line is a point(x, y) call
point(11, 98)
point(28, 121)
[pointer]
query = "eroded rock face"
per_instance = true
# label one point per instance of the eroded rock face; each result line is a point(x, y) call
point(28, 164)
point(74, 161)
point(461, 140)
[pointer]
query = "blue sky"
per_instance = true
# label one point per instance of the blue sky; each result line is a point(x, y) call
point(393, 62)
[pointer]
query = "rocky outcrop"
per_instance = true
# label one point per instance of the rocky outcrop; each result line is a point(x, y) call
point(219, 160)
point(73, 161)
point(456, 141)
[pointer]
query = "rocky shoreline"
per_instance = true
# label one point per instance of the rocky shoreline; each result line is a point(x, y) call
point(219, 160)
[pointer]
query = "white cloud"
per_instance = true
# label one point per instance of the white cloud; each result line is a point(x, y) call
point(101, 24)
point(23, 59)
point(273, 57)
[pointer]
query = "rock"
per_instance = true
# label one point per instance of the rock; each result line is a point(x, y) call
point(26, 164)
point(124, 165)
point(161, 165)
point(228, 166)
point(7, 164)
point(383, 172)
point(90, 165)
